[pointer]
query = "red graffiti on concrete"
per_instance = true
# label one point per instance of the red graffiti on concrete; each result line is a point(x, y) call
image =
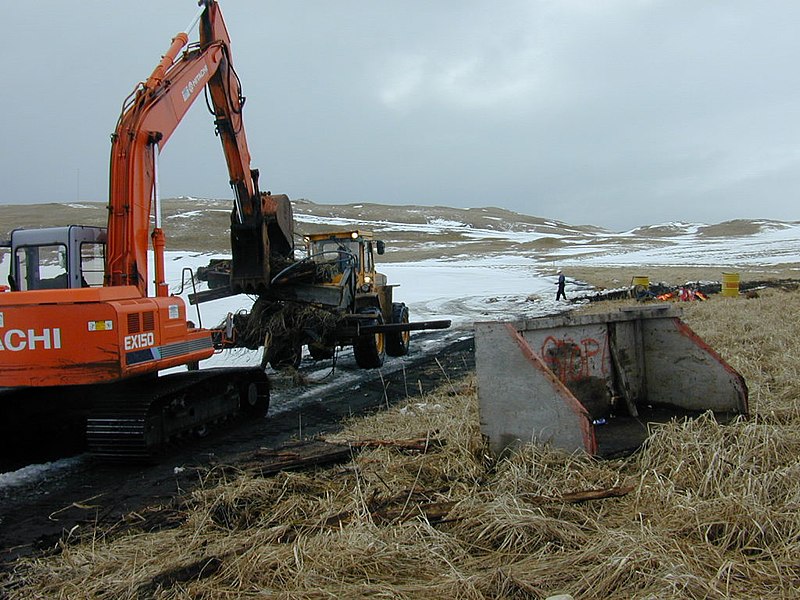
point(571, 360)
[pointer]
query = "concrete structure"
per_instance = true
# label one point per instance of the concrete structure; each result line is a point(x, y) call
point(594, 382)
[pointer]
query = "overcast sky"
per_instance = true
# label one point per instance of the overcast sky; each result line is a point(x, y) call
point(608, 112)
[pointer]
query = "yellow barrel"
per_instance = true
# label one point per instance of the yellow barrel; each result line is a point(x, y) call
point(730, 284)
point(642, 280)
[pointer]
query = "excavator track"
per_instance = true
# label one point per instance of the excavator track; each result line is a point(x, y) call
point(138, 422)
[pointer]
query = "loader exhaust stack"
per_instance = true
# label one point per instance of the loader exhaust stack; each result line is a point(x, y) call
point(594, 382)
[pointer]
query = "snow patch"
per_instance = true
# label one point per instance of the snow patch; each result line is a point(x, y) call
point(35, 473)
point(186, 215)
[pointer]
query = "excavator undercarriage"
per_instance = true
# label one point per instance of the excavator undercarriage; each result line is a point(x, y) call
point(133, 422)
point(139, 421)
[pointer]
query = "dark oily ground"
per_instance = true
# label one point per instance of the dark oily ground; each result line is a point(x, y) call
point(86, 495)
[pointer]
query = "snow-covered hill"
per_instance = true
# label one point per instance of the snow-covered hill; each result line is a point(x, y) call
point(466, 264)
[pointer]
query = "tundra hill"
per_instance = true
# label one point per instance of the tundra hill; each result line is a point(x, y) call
point(202, 224)
point(411, 232)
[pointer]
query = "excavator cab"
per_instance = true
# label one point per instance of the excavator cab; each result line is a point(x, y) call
point(56, 258)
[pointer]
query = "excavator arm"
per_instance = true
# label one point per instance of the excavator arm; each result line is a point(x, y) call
point(261, 224)
point(227, 100)
point(149, 117)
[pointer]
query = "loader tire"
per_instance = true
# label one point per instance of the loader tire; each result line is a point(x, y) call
point(370, 350)
point(397, 342)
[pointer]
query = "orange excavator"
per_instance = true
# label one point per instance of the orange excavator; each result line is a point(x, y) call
point(83, 328)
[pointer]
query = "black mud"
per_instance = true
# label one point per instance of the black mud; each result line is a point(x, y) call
point(69, 501)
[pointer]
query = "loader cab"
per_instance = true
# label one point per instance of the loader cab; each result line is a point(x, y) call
point(56, 258)
point(347, 250)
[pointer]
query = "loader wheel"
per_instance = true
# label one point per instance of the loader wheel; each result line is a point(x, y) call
point(320, 351)
point(397, 342)
point(370, 350)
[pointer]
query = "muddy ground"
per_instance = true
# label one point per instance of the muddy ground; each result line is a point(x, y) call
point(80, 495)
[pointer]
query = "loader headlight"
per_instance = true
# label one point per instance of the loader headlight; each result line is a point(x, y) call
point(365, 287)
point(367, 279)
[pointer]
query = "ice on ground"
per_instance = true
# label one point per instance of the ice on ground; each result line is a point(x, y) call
point(34, 473)
point(467, 287)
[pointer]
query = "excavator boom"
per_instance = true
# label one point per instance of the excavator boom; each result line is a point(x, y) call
point(148, 120)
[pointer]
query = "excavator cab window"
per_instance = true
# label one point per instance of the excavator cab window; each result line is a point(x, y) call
point(5, 266)
point(92, 264)
point(41, 267)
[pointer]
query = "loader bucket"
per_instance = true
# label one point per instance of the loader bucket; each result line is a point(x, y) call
point(595, 382)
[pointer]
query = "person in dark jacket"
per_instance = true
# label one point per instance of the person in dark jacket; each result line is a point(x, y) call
point(561, 282)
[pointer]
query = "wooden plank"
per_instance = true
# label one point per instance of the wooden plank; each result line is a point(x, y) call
point(621, 374)
point(301, 455)
point(420, 444)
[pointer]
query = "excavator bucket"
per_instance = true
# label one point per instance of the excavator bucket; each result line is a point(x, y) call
point(595, 382)
point(259, 240)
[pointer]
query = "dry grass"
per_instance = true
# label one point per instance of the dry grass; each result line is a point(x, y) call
point(713, 511)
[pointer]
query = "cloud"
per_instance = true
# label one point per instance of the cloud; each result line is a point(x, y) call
point(612, 112)
point(467, 83)
point(472, 58)
point(404, 80)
